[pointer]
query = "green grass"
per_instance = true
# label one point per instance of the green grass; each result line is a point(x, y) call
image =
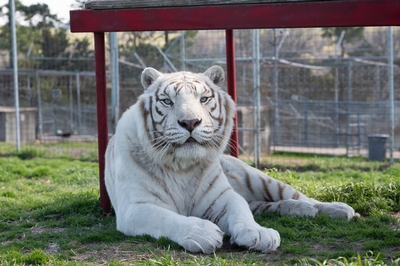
point(83, 151)
point(50, 215)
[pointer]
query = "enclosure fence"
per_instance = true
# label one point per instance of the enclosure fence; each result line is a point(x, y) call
point(313, 95)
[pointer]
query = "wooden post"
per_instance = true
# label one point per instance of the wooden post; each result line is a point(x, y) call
point(102, 128)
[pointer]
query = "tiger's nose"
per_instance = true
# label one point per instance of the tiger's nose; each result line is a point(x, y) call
point(189, 124)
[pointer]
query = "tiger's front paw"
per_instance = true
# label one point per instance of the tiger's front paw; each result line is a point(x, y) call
point(337, 210)
point(257, 238)
point(203, 236)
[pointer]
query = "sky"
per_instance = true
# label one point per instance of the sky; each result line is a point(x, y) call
point(59, 7)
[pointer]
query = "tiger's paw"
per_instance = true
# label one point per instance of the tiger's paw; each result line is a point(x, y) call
point(257, 238)
point(204, 236)
point(337, 210)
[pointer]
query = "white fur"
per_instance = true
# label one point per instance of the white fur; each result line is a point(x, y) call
point(162, 184)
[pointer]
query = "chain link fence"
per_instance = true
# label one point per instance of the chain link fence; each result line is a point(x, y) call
point(316, 94)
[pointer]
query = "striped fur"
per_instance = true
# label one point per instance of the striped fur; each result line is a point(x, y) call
point(166, 174)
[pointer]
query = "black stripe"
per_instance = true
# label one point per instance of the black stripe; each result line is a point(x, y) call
point(206, 213)
point(221, 214)
point(248, 182)
point(266, 190)
point(145, 113)
point(281, 188)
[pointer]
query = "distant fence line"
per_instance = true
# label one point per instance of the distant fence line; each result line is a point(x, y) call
point(308, 100)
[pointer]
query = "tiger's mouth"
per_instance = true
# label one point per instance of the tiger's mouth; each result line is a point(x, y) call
point(191, 140)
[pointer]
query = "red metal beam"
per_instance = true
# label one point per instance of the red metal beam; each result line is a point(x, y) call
point(228, 17)
point(101, 114)
point(278, 15)
point(231, 81)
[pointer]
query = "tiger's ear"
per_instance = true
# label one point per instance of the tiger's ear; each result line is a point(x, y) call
point(216, 74)
point(149, 75)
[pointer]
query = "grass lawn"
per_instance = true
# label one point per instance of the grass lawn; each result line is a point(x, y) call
point(50, 215)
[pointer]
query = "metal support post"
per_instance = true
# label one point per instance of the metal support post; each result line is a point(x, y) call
point(115, 78)
point(40, 117)
point(349, 99)
point(277, 47)
point(15, 74)
point(71, 105)
point(78, 100)
point(337, 125)
point(391, 90)
point(231, 80)
point(102, 128)
point(256, 95)
point(183, 51)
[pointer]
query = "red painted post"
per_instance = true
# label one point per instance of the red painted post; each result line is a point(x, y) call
point(102, 128)
point(231, 80)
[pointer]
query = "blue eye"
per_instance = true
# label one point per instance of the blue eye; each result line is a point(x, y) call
point(167, 102)
point(204, 99)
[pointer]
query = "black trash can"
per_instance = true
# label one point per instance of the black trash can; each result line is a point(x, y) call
point(377, 146)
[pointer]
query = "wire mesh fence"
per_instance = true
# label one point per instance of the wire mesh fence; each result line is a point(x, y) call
point(321, 91)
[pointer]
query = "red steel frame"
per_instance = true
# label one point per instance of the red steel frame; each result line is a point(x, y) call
point(228, 17)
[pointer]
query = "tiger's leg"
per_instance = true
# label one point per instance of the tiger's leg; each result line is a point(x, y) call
point(231, 213)
point(192, 233)
point(264, 193)
point(288, 207)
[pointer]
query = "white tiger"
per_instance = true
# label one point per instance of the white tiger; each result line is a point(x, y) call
point(167, 176)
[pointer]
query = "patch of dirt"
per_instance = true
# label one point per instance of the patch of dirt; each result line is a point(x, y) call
point(52, 248)
point(128, 253)
point(40, 230)
point(396, 227)
point(103, 254)
point(396, 215)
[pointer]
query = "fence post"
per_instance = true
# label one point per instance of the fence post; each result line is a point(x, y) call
point(15, 74)
point(78, 100)
point(305, 110)
point(256, 95)
point(115, 78)
point(182, 48)
point(349, 98)
point(231, 71)
point(39, 106)
point(102, 127)
point(391, 90)
point(71, 105)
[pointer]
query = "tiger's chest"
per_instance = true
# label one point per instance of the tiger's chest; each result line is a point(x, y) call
point(190, 193)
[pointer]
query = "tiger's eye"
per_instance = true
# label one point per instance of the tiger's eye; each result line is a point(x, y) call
point(203, 99)
point(167, 102)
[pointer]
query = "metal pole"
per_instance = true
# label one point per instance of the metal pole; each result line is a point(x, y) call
point(305, 110)
point(71, 106)
point(102, 127)
point(391, 90)
point(231, 80)
point(15, 74)
point(183, 52)
point(115, 77)
point(277, 47)
point(78, 99)
point(39, 107)
point(153, 42)
point(337, 126)
point(276, 95)
point(349, 99)
point(256, 94)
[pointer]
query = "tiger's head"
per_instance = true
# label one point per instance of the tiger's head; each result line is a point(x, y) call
point(188, 117)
